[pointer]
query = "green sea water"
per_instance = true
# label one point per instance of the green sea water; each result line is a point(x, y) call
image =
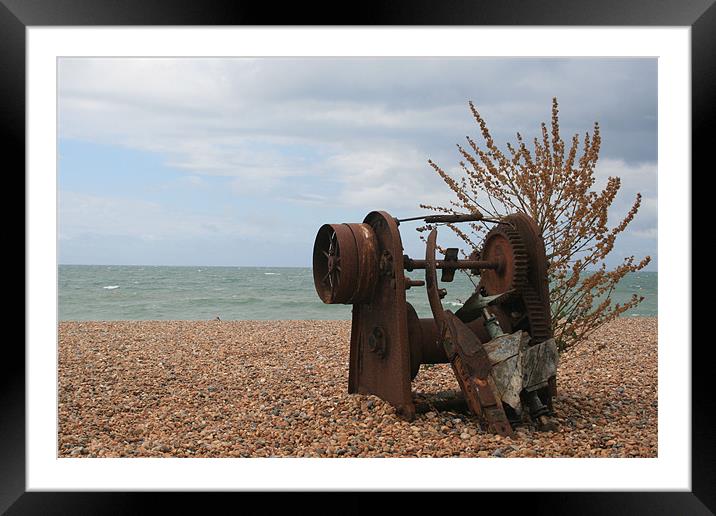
point(118, 292)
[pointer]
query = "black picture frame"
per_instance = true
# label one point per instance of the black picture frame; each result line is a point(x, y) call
point(16, 15)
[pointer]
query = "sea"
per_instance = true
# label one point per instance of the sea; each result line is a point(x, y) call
point(120, 292)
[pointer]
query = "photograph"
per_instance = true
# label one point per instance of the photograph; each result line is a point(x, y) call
point(357, 257)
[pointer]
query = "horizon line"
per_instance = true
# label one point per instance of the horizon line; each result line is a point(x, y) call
point(198, 265)
point(190, 265)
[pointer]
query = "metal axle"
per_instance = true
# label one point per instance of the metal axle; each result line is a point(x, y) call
point(411, 264)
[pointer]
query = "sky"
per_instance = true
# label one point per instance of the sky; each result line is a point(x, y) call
point(240, 161)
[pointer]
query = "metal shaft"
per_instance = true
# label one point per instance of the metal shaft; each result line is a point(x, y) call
point(457, 217)
point(411, 264)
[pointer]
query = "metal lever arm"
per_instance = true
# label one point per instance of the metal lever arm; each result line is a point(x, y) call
point(435, 219)
point(467, 356)
point(431, 281)
point(467, 217)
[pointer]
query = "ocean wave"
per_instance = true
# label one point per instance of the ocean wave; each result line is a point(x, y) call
point(272, 273)
point(111, 287)
point(454, 303)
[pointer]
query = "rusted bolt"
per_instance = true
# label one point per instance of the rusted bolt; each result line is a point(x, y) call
point(413, 283)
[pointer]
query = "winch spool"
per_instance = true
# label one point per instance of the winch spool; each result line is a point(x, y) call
point(345, 263)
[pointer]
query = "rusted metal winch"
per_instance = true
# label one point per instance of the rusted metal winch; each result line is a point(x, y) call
point(499, 342)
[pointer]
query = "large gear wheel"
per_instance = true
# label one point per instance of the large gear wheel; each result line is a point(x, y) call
point(516, 245)
point(504, 245)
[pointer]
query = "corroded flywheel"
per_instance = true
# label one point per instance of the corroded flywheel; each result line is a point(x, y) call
point(345, 263)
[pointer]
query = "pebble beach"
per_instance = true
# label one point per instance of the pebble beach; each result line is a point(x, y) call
point(279, 389)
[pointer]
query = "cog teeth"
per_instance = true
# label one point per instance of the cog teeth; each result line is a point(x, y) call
point(536, 306)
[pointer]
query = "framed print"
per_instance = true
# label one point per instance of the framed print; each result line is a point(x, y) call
point(184, 330)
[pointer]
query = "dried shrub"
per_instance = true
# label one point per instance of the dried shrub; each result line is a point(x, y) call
point(553, 184)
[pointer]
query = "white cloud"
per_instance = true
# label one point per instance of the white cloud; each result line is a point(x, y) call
point(82, 215)
point(193, 181)
point(649, 233)
point(388, 175)
point(640, 177)
point(339, 134)
point(213, 115)
point(635, 178)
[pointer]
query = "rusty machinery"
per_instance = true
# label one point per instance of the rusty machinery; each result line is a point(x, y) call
point(499, 343)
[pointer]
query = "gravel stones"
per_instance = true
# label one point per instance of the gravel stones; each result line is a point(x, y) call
point(279, 389)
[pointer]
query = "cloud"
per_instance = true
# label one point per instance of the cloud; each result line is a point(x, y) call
point(193, 181)
point(82, 215)
point(207, 113)
point(334, 136)
point(649, 233)
point(385, 176)
point(635, 178)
